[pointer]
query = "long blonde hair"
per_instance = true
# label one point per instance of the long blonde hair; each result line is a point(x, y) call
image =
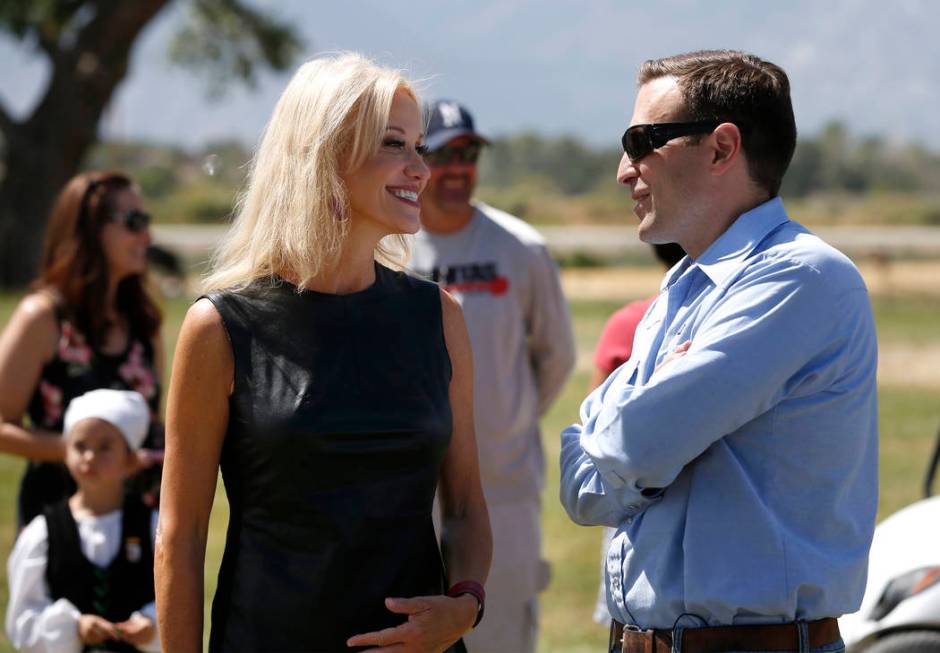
point(291, 217)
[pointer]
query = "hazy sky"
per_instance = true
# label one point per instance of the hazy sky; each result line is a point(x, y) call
point(553, 67)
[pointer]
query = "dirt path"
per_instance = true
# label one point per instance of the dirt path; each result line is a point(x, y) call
point(900, 364)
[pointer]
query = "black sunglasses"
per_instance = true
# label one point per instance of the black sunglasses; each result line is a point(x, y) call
point(449, 153)
point(134, 220)
point(640, 140)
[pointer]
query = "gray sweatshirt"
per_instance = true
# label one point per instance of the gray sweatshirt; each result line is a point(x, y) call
point(500, 271)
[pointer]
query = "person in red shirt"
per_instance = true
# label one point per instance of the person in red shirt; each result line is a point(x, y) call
point(616, 341)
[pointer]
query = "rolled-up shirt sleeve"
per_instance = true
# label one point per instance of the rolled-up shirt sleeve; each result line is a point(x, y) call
point(746, 355)
point(34, 622)
point(587, 496)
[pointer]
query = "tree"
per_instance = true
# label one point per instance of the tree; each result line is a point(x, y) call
point(88, 44)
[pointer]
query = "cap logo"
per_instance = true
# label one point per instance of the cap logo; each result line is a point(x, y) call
point(450, 114)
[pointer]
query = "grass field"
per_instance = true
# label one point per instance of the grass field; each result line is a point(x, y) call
point(909, 330)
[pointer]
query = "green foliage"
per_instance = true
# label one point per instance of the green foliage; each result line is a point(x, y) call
point(155, 167)
point(227, 39)
point(907, 319)
point(520, 197)
point(201, 201)
point(37, 18)
point(836, 161)
point(571, 167)
point(581, 259)
point(179, 186)
point(87, 45)
point(834, 179)
point(873, 208)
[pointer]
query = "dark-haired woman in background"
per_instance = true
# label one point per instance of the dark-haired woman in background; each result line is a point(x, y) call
point(88, 323)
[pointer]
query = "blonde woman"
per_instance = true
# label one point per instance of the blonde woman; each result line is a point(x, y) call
point(333, 391)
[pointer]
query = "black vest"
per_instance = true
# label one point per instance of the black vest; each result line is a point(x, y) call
point(113, 592)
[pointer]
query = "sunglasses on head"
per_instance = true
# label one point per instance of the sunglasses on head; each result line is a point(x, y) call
point(134, 220)
point(640, 140)
point(468, 153)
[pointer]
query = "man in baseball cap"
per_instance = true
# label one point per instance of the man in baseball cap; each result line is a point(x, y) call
point(447, 120)
point(499, 269)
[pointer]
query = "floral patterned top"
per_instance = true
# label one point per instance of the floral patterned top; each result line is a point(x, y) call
point(76, 369)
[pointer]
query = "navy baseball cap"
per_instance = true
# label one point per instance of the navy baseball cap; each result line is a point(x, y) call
point(447, 120)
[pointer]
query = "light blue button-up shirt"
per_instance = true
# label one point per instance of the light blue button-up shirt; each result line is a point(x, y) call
point(742, 477)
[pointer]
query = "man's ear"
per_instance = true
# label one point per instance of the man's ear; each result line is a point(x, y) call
point(726, 147)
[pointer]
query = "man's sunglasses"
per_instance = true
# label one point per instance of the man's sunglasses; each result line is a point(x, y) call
point(454, 153)
point(134, 220)
point(640, 140)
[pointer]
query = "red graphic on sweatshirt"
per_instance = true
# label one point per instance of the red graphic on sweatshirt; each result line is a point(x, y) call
point(469, 277)
point(497, 286)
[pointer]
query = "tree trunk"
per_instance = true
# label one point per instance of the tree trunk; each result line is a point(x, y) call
point(43, 152)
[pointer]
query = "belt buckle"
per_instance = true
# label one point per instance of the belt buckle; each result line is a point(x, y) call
point(648, 641)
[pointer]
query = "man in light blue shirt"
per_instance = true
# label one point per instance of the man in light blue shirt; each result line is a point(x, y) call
point(736, 451)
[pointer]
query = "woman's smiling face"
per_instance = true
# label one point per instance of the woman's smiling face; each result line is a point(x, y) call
point(383, 192)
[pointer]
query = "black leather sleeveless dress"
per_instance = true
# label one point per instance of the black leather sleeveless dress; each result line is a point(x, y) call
point(339, 421)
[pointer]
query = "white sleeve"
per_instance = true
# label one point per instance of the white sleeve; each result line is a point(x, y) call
point(150, 610)
point(34, 623)
point(551, 339)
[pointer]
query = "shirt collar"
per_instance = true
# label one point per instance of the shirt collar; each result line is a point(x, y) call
point(732, 247)
point(675, 272)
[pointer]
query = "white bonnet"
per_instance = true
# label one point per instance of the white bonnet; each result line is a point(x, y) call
point(125, 409)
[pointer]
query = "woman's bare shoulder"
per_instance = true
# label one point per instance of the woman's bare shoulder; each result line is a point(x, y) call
point(203, 325)
point(451, 310)
point(35, 319)
point(38, 308)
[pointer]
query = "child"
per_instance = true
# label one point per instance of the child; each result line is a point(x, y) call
point(81, 574)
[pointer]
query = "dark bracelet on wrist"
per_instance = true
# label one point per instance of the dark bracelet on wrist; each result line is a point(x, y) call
point(474, 589)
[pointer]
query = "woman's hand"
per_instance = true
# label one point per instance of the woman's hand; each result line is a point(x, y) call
point(434, 623)
point(92, 629)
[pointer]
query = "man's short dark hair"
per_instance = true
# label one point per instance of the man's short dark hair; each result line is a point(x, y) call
point(743, 89)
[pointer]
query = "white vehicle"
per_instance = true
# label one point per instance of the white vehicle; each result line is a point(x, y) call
point(901, 609)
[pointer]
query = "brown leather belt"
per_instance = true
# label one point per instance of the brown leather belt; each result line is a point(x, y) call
point(763, 637)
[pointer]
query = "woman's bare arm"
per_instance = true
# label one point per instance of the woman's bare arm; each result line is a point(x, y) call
point(465, 524)
point(28, 342)
point(197, 417)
